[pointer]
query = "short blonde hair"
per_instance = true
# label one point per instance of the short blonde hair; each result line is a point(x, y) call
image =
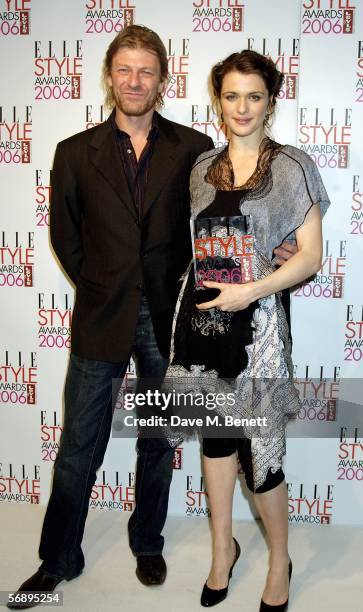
point(134, 37)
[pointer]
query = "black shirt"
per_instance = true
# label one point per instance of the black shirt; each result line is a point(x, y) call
point(136, 171)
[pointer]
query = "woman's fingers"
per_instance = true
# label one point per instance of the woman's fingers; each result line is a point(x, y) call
point(206, 305)
point(214, 285)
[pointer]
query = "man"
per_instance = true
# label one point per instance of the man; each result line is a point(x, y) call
point(120, 228)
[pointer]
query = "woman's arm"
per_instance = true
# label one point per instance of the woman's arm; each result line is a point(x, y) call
point(305, 263)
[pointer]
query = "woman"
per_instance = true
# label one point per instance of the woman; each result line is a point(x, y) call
point(242, 332)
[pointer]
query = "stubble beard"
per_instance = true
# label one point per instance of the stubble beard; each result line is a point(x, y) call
point(135, 109)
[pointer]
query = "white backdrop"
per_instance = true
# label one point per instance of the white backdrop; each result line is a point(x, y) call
point(50, 62)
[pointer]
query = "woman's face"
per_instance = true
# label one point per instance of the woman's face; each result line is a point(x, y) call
point(244, 102)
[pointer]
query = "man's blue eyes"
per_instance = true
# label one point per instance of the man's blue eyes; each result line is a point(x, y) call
point(125, 70)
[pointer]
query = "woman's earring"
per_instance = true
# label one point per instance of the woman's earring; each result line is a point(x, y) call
point(222, 118)
point(267, 118)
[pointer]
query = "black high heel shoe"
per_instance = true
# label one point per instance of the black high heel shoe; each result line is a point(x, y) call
point(264, 607)
point(211, 597)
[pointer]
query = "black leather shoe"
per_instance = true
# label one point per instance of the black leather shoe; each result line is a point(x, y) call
point(264, 607)
point(151, 569)
point(212, 597)
point(39, 582)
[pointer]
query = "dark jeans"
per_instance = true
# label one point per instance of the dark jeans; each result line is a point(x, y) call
point(87, 427)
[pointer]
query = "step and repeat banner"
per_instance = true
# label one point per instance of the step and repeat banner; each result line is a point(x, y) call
point(50, 61)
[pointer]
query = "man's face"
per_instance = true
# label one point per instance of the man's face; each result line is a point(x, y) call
point(135, 80)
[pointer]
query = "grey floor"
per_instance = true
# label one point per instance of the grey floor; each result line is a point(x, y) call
point(327, 577)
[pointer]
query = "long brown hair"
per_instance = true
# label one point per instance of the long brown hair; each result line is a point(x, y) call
point(248, 62)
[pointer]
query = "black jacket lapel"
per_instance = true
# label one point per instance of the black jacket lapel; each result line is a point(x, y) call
point(164, 157)
point(105, 156)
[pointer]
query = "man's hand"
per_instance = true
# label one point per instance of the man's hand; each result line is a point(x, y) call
point(284, 252)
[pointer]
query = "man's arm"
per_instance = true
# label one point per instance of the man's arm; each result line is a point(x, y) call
point(209, 145)
point(284, 252)
point(65, 216)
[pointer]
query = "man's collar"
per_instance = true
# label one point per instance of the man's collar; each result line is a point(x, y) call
point(121, 133)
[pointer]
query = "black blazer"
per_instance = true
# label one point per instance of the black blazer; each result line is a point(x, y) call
point(111, 257)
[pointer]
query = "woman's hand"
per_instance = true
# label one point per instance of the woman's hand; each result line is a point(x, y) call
point(232, 296)
point(305, 262)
